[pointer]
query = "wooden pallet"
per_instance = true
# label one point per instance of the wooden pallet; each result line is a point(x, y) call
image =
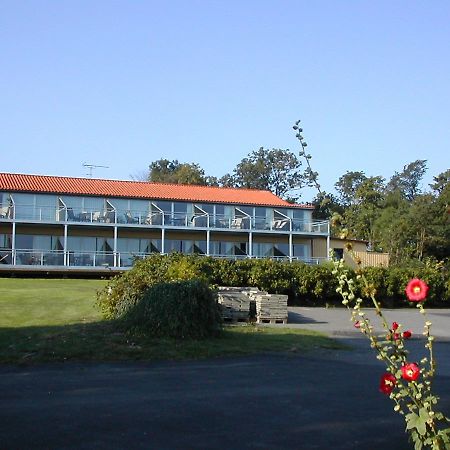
point(272, 320)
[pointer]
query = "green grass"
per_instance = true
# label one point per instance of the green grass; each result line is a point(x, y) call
point(37, 302)
point(55, 320)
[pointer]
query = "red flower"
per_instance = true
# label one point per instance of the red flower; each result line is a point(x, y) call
point(416, 290)
point(394, 326)
point(410, 372)
point(396, 336)
point(387, 383)
point(407, 334)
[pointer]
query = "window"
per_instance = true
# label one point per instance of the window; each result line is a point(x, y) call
point(200, 247)
point(281, 250)
point(219, 248)
point(164, 206)
point(301, 251)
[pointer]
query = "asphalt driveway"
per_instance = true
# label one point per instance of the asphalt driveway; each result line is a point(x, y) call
point(328, 399)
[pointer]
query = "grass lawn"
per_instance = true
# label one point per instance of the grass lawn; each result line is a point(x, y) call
point(45, 320)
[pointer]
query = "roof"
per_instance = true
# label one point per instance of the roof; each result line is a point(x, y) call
point(44, 184)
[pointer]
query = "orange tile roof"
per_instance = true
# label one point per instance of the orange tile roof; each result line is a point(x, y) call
point(12, 182)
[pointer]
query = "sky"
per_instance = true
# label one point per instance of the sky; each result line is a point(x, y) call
point(125, 83)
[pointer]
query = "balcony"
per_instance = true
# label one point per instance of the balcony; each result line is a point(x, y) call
point(47, 259)
point(159, 219)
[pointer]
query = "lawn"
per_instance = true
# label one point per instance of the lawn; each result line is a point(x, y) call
point(45, 320)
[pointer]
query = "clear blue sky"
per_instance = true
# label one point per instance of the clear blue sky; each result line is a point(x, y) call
point(125, 83)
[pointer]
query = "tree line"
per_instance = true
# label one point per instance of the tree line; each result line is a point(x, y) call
point(395, 215)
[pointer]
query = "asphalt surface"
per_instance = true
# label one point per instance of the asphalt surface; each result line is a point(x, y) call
point(328, 399)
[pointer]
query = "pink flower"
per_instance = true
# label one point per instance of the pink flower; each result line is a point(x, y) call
point(357, 324)
point(416, 290)
point(387, 383)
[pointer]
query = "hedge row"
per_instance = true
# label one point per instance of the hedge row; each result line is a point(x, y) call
point(304, 284)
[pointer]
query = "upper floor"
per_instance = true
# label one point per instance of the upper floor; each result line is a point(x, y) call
point(81, 201)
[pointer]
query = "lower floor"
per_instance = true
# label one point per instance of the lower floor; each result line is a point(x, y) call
point(113, 247)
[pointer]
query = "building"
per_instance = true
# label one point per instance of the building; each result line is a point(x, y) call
point(50, 223)
point(359, 252)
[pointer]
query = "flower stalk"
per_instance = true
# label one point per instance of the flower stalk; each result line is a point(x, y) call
point(407, 383)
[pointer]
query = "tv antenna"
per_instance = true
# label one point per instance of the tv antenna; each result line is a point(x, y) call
point(91, 167)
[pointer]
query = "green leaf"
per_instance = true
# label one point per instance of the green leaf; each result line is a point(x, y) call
point(414, 421)
point(423, 413)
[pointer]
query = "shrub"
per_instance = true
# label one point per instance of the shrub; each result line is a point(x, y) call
point(304, 284)
point(314, 284)
point(178, 309)
point(124, 291)
point(273, 276)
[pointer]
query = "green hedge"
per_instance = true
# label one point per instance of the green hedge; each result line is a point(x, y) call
point(179, 309)
point(304, 284)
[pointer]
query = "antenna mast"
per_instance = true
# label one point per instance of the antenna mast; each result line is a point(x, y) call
point(91, 167)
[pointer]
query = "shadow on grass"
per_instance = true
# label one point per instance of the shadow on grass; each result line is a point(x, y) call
point(106, 341)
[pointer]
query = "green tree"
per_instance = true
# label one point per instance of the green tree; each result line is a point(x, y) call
point(165, 171)
point(408, 181)
point(347, 185)
point(419, 228)
point(276, 170)
point(441, 182)
point(361, 215)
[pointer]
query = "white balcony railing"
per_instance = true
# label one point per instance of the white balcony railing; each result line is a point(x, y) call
point(159, 219)
point(60, 258)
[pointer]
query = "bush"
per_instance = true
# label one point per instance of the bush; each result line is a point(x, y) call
point(304, 284)
point(179, 309)
point(124, 291)
point(314, 285)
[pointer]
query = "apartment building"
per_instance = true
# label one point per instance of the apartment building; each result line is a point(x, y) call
point(50, 223)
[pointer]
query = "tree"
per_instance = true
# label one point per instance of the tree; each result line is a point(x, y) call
point(347, 185)
point(165, 171)
point(441, 182)
point(327, 207)
point(276, 170)
point(360, 216)
point(408, 181)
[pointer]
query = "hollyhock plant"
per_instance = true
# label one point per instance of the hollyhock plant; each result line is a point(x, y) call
point(408, 384)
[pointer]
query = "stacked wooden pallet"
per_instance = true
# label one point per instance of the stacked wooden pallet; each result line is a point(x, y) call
point(271, 308)
point(235, 302)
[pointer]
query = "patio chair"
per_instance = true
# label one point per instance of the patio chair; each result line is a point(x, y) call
point(128, 217)
point(4, 212)
point(236, 222)
point(70, 214)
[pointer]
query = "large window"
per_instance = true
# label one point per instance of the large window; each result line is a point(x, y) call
point(5, 241)
point(219, 248)
point(39, 249)
point(38, 242)
point(302, 251)
point(24, 206)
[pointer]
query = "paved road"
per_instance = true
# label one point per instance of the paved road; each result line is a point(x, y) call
point(277, 401)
